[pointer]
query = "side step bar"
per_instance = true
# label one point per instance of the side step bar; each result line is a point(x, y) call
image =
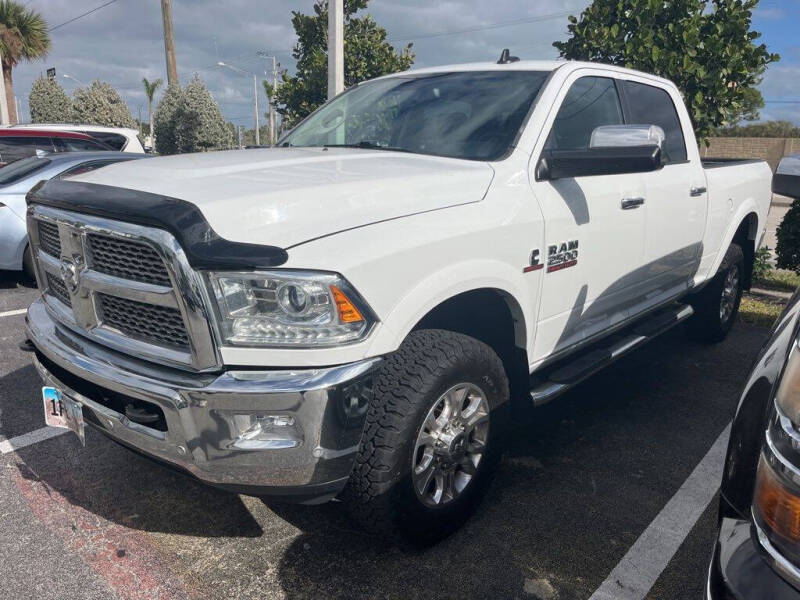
point(573, 370)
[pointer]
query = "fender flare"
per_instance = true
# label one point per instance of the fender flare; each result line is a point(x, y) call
point(441, 285)
point(744, 211)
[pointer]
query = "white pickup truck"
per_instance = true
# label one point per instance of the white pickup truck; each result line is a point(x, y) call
point(351, 314)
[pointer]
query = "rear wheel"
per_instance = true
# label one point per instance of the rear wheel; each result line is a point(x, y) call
point(717, 305)
point(432, 439)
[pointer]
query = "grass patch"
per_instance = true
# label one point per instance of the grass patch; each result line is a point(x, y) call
point(778, 279)
point(756, 310)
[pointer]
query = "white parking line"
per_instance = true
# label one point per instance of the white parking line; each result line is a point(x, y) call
point(28, 439)
point(639, 569)
point(11, 313)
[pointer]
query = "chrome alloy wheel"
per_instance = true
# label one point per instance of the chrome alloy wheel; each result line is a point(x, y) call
point(730, 291)
point(450, 444)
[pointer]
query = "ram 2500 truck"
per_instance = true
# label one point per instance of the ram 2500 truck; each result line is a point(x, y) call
point(352, 313)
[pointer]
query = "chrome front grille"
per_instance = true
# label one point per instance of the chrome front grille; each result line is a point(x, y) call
point(155, 324)
point(127, 259)
point(56, 287)
point(48, 238)
point(114, 282)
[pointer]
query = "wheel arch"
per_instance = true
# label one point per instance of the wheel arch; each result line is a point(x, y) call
point(492, 316)
point(746, 236)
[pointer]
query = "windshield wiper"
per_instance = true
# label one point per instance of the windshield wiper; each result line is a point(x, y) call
point(369, 145)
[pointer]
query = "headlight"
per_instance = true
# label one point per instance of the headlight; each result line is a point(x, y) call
point(776, 497)
point(288, 308)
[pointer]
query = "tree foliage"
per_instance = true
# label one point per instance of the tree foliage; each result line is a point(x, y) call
point(189, 120)
point(367, 54)
point(770, 129)
point(165, 124)
point(201, 126)
point(787, 249)
point(49, 102)
point(706, 47)
point(101, 104)
point(23, 36)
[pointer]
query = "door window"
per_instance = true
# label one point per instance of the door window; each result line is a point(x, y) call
point(77, 145)
point(648, 105)
point(591, 102)
point(16, 148)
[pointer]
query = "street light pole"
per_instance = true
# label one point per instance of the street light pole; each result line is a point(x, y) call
point(65, 76)
point(273, 137)
point(255, 94)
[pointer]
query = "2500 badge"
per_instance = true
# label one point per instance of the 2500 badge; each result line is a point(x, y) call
point(562, 256)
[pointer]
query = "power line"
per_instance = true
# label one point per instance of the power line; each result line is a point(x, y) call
point(481, 28)
point(88, 12)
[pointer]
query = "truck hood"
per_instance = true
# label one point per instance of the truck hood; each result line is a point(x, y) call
point(286, 196)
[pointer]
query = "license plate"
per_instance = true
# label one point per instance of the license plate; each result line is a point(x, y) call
point(63, 412)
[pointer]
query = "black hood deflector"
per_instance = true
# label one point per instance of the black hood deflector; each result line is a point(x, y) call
point(203, 247)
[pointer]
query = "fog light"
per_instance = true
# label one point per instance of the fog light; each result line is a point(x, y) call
point(264, 432)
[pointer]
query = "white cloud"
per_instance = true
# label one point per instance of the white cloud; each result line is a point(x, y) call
point(123, 42)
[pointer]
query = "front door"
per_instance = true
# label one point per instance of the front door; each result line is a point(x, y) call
point(593, 246)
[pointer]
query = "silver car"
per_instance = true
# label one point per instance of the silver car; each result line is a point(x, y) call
point(18, 178)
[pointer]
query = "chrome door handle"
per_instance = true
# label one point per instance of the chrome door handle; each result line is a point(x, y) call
point(630, 203)
point(697, 191)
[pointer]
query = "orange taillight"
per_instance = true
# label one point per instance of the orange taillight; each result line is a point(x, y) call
point(348, 313)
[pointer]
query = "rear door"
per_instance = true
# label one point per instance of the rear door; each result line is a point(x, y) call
point(676, 198)
point(593, 247)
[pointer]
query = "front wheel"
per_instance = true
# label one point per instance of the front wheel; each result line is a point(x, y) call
point(717, 305)
point(432, 439)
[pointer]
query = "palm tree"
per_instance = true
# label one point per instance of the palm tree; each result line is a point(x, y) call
point(150, 88)
point(23, 36)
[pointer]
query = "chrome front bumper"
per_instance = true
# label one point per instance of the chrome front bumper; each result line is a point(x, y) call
point(202, 411)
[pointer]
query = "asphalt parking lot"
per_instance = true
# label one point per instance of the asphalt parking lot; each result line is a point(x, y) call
point(583, 480)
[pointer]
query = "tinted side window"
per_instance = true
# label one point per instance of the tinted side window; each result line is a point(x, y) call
point(591, 102)
point(648, 105)
point(85, 168)
point(115, 141)
point(15, 148)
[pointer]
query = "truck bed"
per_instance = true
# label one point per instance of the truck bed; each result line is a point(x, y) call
point(716, 163)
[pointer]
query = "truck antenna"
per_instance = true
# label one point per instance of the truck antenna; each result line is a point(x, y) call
point(505, 57)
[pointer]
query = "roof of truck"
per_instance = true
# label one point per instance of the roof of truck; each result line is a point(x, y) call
point(525, 65)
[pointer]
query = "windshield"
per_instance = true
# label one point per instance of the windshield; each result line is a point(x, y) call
point(21, 169)
point(472, 114)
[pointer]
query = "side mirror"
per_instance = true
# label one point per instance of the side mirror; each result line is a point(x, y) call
point(786, 180)
point(613, 149)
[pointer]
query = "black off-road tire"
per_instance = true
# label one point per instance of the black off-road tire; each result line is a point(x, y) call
point(380, 494)
point(27, 265)
point(708, 324)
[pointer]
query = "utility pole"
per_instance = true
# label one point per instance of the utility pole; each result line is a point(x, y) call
point(169, 42)
point(255, 109)
point(3, 100)
point(273, 138)
point(255, 94)
point(335, 47)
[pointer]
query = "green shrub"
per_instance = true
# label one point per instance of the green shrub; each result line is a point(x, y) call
point(49, 102)
point(788, 247)
point(761, 263)
point(101, 104)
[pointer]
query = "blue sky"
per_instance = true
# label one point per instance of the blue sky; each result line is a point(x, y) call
point(778, 21)
point(122, 42)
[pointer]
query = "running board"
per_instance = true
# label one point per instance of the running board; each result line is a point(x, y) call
point(573, 370)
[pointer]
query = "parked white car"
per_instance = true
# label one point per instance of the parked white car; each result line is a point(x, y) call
point(352, 313)
point(17, 179)
point(121, 139)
